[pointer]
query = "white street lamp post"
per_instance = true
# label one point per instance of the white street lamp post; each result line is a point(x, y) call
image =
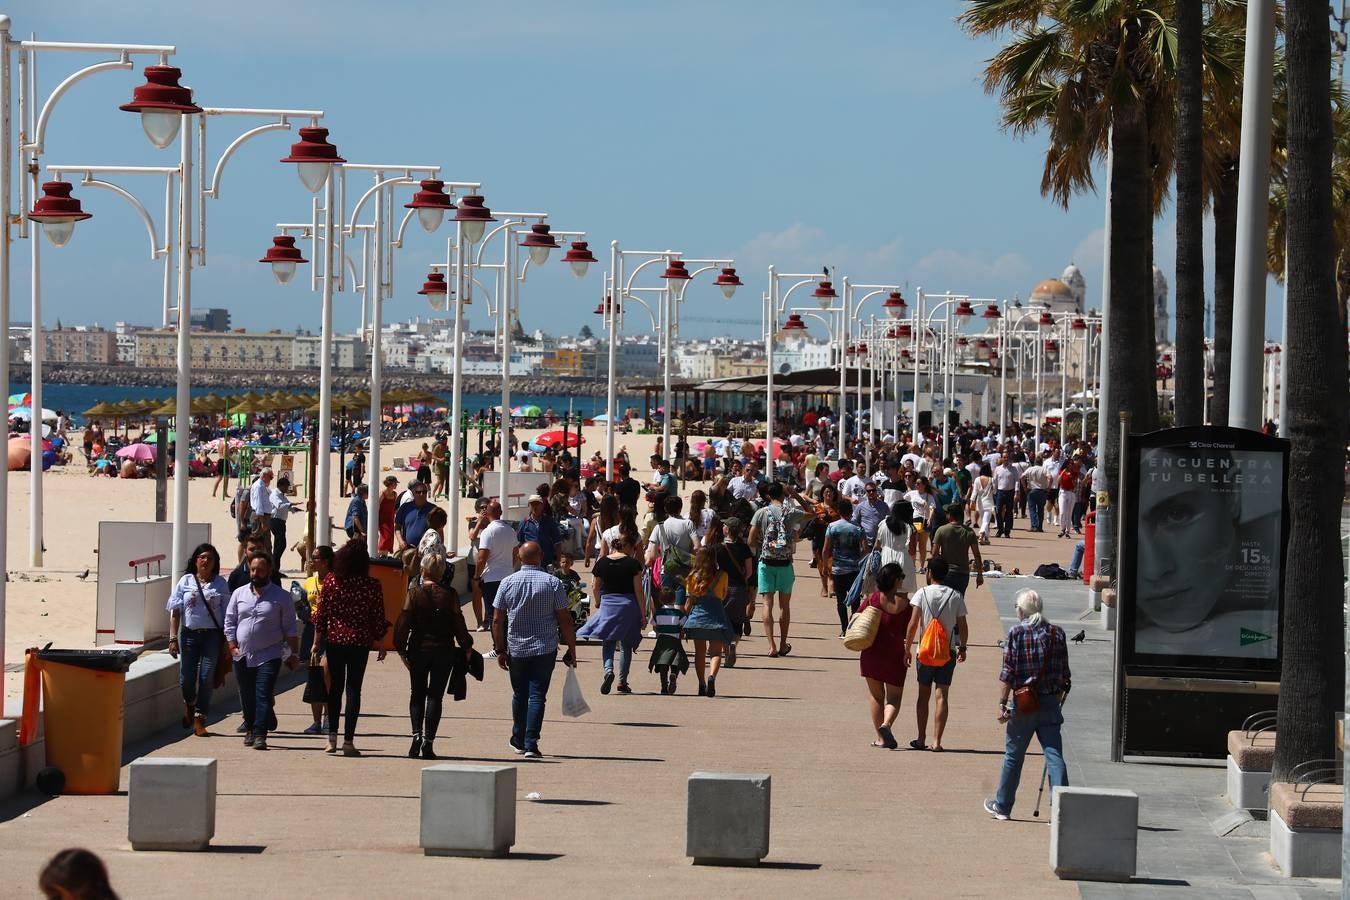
point(775, 303)
point(33, 123)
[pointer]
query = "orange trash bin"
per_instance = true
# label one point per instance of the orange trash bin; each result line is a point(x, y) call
point(82, 716)
point(388, 571)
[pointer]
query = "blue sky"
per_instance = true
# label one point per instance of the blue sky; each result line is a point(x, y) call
point(851, 134)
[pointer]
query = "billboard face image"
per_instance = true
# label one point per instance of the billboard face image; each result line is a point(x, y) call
point(1208, 552)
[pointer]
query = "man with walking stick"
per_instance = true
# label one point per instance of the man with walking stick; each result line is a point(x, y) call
point(1033, 683)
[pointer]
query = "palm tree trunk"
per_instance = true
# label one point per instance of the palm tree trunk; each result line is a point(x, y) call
point(1189, 358)
point(1225, 253)
point(1313, 678)
point(1131, 355)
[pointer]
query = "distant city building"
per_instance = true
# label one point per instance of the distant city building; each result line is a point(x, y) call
point(93, 346)
point(231, 350)
point(214, 319)
point(348, 352)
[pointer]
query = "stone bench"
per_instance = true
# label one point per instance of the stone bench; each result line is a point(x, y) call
point(728, 819)
point(172, 804)
point(468, 810)
point(1094, 833)
point(1250, 757)
point(1305, 829)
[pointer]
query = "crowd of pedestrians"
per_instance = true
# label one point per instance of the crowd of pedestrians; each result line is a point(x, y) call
point(895, 532)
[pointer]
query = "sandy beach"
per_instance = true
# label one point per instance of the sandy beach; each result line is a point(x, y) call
point(53, 604)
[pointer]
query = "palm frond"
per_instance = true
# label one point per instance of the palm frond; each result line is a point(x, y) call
point(981, 17)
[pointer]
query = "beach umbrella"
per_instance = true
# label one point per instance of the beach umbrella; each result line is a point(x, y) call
point(26, 412)
point(99, 409)
point(778, 443)
point(153, 437)
point(603, 417)
point(167, 408)
point(219, 444)
point(20, 399)
point(571, 439)
point(138, 452)
point(526, 411)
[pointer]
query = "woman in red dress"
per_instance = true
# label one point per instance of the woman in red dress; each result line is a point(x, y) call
point(388, 507)
point(883, 663)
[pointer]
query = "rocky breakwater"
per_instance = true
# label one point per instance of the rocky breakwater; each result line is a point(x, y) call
point(305, 380)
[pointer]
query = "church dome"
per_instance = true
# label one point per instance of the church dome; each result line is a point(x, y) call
point(1071, 274)
point(1050, 289)
point(1055, 294)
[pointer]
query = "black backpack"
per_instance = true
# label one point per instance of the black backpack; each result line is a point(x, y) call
point(1051, 571)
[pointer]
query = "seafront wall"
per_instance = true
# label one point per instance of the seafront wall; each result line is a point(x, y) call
point(303, 380)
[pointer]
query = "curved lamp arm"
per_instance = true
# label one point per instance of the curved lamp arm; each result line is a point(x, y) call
point(213, 190)
point(40, 129)
point(156, 251)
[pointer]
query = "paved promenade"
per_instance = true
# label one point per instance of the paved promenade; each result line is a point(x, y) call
point(848, 820)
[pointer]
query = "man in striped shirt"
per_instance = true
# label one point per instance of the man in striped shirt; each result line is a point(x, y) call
point(531, 609)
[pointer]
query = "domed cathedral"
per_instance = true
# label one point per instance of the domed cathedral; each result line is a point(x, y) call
point(1064, 294)
point(1161, 319)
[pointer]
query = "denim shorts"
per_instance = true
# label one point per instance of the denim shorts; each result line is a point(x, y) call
point(776, 579)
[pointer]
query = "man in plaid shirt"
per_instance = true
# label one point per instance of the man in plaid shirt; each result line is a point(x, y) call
point(532, 608)
point(1035, 654)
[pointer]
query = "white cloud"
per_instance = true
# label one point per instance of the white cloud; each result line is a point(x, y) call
point(961, 268)
point(807, 248)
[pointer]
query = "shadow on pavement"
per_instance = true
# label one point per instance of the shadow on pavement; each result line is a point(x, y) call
point(561, 802)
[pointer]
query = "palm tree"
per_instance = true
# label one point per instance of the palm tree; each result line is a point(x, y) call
point(1313, 677)
point(1097, 74)
point(1190, 276)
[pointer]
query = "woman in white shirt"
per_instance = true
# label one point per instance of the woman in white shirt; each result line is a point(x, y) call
point(895, 539)
point(924, 502)
point(982, 500)
point(699, 514)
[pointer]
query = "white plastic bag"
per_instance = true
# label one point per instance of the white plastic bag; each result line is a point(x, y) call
point(573, 704)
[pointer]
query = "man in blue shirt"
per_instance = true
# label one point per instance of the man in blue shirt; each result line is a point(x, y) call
point(531, 609)
point(540, 528)
point(410, 522)
point(868, 514)
point(357, 514)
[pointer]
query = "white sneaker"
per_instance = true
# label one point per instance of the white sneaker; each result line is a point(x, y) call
point(992, 808)
point(652, 633)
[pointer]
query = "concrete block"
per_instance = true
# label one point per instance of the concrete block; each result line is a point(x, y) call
point(1094, 833)
point(172, 804)
point(728, 819)
point(468, 810)
point(1305, 852)
point(1247, 790)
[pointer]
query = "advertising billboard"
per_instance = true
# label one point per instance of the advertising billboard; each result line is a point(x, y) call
point(1203, 552)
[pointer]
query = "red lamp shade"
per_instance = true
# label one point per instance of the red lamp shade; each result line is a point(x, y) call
point(283, 256)
point(57, 212)
point(851, 350)
point(539, 242)
point(894, 305)
point(1046, 320)
point(862, 348)
point(906, 331)
point(675, 271)
point(794, 323)
point(162, 103)
point(1079, 325)
point(963, 341)
point(579, 257)
point(964, 309)
point(728, 281)
point(314, 157)
point(824, 291)
point(602, 308)
point(1052, 348)
point(436, 290)
point(991, 312)
point(473, 216)
point(904, 353)
point(431, 203)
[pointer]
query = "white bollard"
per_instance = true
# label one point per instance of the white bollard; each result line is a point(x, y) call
point(728, 819)
point(468, 810)
point(172, 804)
point(1094, 833)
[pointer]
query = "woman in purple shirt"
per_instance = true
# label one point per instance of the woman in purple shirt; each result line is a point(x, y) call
point(261, 631)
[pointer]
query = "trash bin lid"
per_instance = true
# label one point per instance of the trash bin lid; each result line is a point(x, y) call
point(99, 660)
